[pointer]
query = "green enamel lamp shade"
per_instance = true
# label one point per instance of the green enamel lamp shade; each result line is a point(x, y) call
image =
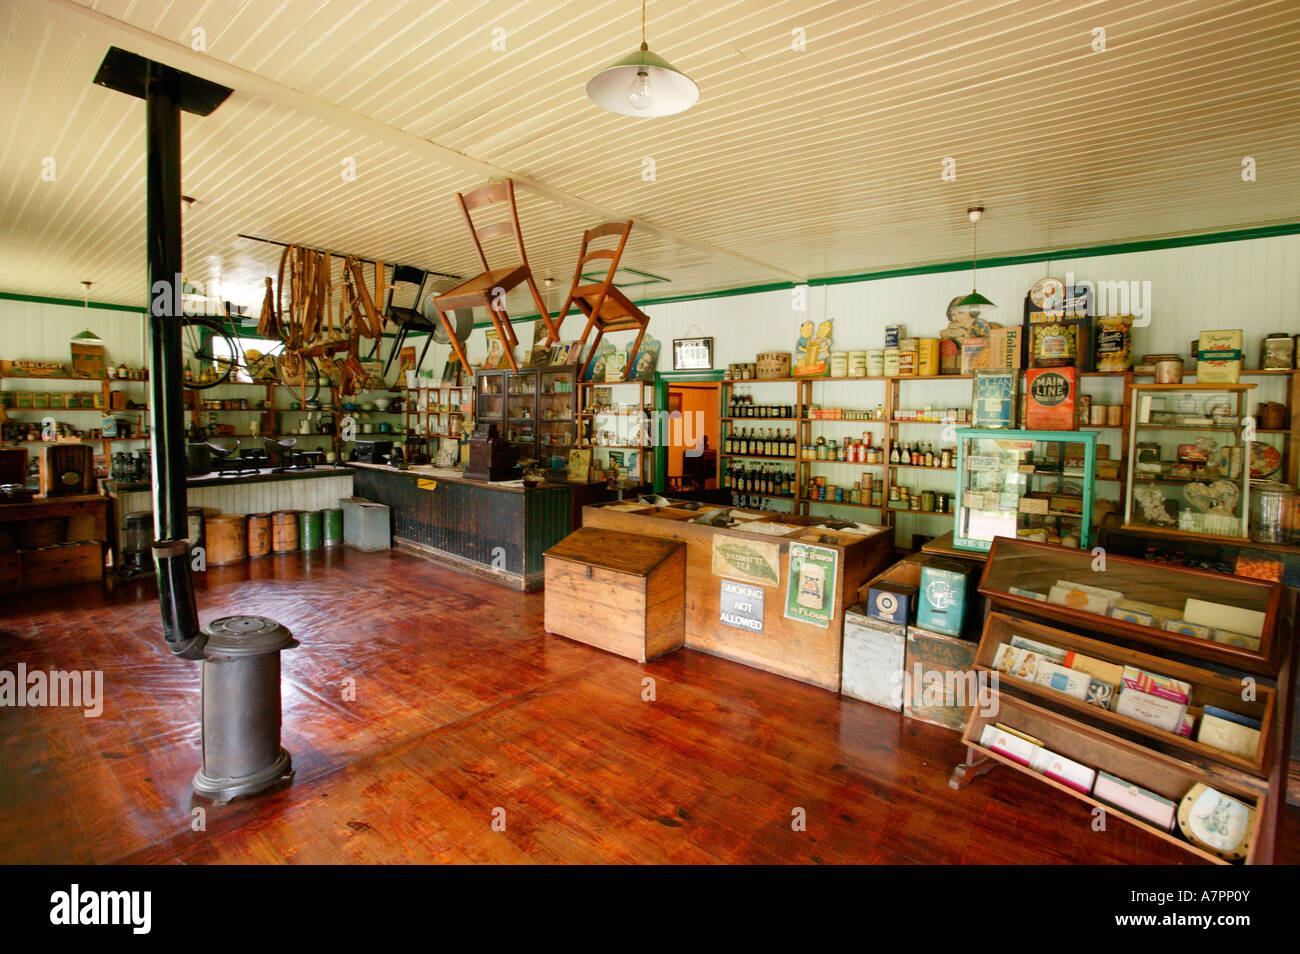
point(654, 85)
point(974, 299)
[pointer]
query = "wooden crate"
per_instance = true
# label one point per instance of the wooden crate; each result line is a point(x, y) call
point(621, 592)
point(62, 566)
point(936, 656)
point(11, 572)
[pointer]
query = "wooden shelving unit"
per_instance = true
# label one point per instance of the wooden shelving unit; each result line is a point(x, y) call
point(639, 410)
point(104, 385)
point(1163, 762)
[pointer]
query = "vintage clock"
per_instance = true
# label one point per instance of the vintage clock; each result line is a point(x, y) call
point(67, 470)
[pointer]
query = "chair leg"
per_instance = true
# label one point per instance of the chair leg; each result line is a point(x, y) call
point(595, 346)
point(397, 346)
point(591, 322)
point(502, 322)
point(428, 340)
point(455, 342)
point(632, 354)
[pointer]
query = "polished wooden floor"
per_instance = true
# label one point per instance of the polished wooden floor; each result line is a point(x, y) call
point(466, 710)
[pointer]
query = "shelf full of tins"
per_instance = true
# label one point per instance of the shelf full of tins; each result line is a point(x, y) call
point(842, 455)
point(920, 446)
point(758, 453)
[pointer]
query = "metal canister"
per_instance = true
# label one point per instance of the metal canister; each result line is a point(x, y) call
point(1271, 506)
point(876, 363)
point(927, 500)
point(333, 520)
point(310, 529)
point(857, 364)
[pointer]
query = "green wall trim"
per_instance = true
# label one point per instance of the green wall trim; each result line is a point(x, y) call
point(934, 268)
point(70, 302)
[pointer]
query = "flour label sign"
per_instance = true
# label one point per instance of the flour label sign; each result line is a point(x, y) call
point(741, 606)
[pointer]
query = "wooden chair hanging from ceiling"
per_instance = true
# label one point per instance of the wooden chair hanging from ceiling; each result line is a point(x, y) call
point(407, 319)
point(607, 308)
point(488, 289)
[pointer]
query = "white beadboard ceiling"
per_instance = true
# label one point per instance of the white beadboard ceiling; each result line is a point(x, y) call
point(793, 165)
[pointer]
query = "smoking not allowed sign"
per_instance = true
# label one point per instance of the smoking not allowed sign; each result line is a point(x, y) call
point(741, 606)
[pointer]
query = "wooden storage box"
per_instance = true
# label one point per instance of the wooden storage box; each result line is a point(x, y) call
point(621, 592)
point(63, 565)
point(933, 660)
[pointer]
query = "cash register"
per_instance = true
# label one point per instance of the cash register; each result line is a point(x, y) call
point(490, 456)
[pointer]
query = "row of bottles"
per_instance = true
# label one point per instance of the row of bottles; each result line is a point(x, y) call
point(760, 442)
point(742, 405)
point(762, 479)
point(922, 455)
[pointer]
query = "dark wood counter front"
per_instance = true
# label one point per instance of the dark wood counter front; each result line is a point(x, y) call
point(495, 530)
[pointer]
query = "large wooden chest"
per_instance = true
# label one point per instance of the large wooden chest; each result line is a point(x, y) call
point(621, 592)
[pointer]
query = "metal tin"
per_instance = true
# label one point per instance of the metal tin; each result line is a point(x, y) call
point(310, 529)
point(876, 363)
point(333, 526)
point(857, 364)
point(1168, 368)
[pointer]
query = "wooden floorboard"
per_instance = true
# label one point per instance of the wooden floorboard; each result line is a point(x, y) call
point(465, 709)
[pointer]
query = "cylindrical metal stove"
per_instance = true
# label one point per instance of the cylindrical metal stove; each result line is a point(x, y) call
point(241, 708)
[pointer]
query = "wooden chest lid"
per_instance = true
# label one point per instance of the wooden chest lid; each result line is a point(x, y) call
point(614, 550)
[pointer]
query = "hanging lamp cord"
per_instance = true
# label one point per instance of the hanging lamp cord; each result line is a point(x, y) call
point(974, 253)
point(643, 42)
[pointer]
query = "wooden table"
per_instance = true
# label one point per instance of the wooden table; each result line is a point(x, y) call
point(73, 564)
point(49, 508)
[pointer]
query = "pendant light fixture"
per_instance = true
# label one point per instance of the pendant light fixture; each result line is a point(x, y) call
point(642, 84)
point(975, 303)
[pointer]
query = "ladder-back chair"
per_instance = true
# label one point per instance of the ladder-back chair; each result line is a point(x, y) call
point(607, 309)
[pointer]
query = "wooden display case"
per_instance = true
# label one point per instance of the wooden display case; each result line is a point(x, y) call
point(1020, 468)
point(1167, 421)
point(1255, 683)
point(534, 408)
point(1018, 567)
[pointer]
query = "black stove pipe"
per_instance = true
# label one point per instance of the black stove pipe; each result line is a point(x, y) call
point(171, 526)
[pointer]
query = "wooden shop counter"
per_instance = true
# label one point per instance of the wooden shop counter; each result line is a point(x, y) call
point(494, 529)
point(739, 603)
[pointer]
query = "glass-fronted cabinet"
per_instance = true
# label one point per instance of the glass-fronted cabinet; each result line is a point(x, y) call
point(1030, 485)
point(1189, 450)
point(535, 406)
point(489, 397)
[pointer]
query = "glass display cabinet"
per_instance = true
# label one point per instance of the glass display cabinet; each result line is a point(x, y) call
point(1031, 485)
point(1189, 460)
point(534, 406)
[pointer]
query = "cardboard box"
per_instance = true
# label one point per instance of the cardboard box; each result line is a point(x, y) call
point(1004, 348)
point(1050, 394)
point(974, 355)
point(1035, 505)
point(949, 356)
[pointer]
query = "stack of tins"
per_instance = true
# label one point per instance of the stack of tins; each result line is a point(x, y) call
point(333, 520)
point(284, 531)
point(226, 538)
point(259, 534)
point(310, 528)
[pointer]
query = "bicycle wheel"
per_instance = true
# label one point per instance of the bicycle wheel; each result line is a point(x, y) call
point(299, 374)
point(207, 353)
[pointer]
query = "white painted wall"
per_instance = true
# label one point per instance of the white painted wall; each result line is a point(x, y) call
point(1253, 285)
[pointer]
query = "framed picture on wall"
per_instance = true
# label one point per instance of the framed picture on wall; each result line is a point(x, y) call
point(692, 354)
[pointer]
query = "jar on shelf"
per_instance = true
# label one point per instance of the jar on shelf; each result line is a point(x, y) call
point(1272, 504)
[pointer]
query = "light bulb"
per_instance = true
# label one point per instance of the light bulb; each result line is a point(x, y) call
point(641, 94)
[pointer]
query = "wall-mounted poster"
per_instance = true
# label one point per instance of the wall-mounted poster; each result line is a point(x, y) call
point(406, 358)
point(646, 360)
point(496, 352)
point(811, 584)
point(812, 350)
point(753, 561)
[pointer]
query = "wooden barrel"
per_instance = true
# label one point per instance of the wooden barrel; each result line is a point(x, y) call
point(310, 528)
point(259, 534)
point(284, 531)
point(226, 539)
point(333, 519)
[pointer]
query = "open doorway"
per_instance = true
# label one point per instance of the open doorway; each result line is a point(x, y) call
point(695, 432)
